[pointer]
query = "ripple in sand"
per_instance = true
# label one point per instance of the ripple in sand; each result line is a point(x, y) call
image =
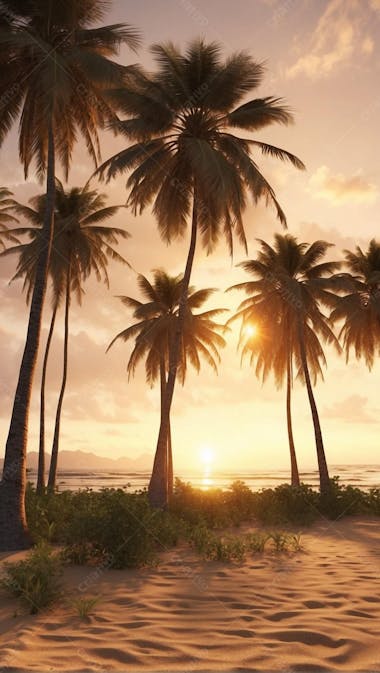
point(280, 616)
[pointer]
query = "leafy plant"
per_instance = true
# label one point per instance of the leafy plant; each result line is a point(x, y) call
point(280, 540)
point(36, 579)
point(85, 605)
point(295, 542)
point(256, 542)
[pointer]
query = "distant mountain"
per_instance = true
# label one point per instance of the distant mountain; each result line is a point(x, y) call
point(82, 460)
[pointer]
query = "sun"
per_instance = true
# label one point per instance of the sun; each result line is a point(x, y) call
point(207, 455)
point(250, 331)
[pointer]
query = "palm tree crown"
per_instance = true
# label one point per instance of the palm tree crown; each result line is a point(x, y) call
point(359, 307)
point(57, 67)
point(156, 325)
point(80, 245)
point(289, 283)
point(183, 119)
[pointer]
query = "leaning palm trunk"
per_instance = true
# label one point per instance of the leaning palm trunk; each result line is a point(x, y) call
point(295, 479)
point(170, 463)
point(159, 488)
point(41, 451)
point(324, 479)
point(55, 448)
point(13, 527)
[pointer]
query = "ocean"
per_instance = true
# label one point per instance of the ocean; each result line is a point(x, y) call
point(362, 476)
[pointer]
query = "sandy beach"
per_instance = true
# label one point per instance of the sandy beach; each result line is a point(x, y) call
point(318, 609)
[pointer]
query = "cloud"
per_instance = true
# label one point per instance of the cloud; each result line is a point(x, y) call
point(341, 32)
point(338, 188)
point(353, 409)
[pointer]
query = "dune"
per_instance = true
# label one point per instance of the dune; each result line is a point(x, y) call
point(317, 610)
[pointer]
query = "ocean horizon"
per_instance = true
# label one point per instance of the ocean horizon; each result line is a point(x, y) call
point(361, 476)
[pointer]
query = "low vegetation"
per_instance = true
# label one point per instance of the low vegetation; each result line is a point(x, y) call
point(36, 579)
point(119, 529)
point(113, 528)
point(84, 606)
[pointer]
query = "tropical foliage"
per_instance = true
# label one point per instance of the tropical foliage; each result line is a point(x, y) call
point(191, 154)
point(291, 284)
point(55, 68)
point(187, 161)
point(155, 330)
point(359, 304)
point(6, 203)
point(81, 246)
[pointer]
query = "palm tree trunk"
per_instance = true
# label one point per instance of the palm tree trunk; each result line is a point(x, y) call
point(324, 479)
point(169, 439)
point(158, 491)
point(13, 527)
point(295, 478)
point(170, 463)
point(41, 451)
point(54, 452)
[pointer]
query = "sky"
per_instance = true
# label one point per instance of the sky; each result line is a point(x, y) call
point(324, 59)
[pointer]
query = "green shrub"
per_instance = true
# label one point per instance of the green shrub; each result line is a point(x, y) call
point(36, 580)
point(84, 606)
point(344, 501)
point(373, 501)
point(256, 542)
point(215, 547)
point(280, 540)
point(286, 504)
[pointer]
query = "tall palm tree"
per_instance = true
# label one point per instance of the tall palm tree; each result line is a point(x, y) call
point(80, 247)
point(359, 306)
point(55, 67)
point(187, 161)
point(291, 282)
point(155, 330)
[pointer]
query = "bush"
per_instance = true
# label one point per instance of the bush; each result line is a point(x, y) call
point(116, 525)
point(373, 501)
point(286, 504)
point(345, 500)
point(36, 580)
point(196, 507)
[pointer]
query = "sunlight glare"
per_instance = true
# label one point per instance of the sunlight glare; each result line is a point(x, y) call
point(250, 331)
point(207, 455)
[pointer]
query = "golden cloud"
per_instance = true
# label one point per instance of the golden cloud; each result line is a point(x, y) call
point(341, 32)
point(339, 188)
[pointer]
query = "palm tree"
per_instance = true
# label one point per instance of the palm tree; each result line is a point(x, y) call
point(54, 70)
point(291, 282)
point(187, 161)
point(155, 330)
point(359, 307)
point(266, 339)
point(80, 246)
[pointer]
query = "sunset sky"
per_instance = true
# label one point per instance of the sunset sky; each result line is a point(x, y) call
point(324, 58)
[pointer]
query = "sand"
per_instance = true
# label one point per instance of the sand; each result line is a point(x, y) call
point(316, 610)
